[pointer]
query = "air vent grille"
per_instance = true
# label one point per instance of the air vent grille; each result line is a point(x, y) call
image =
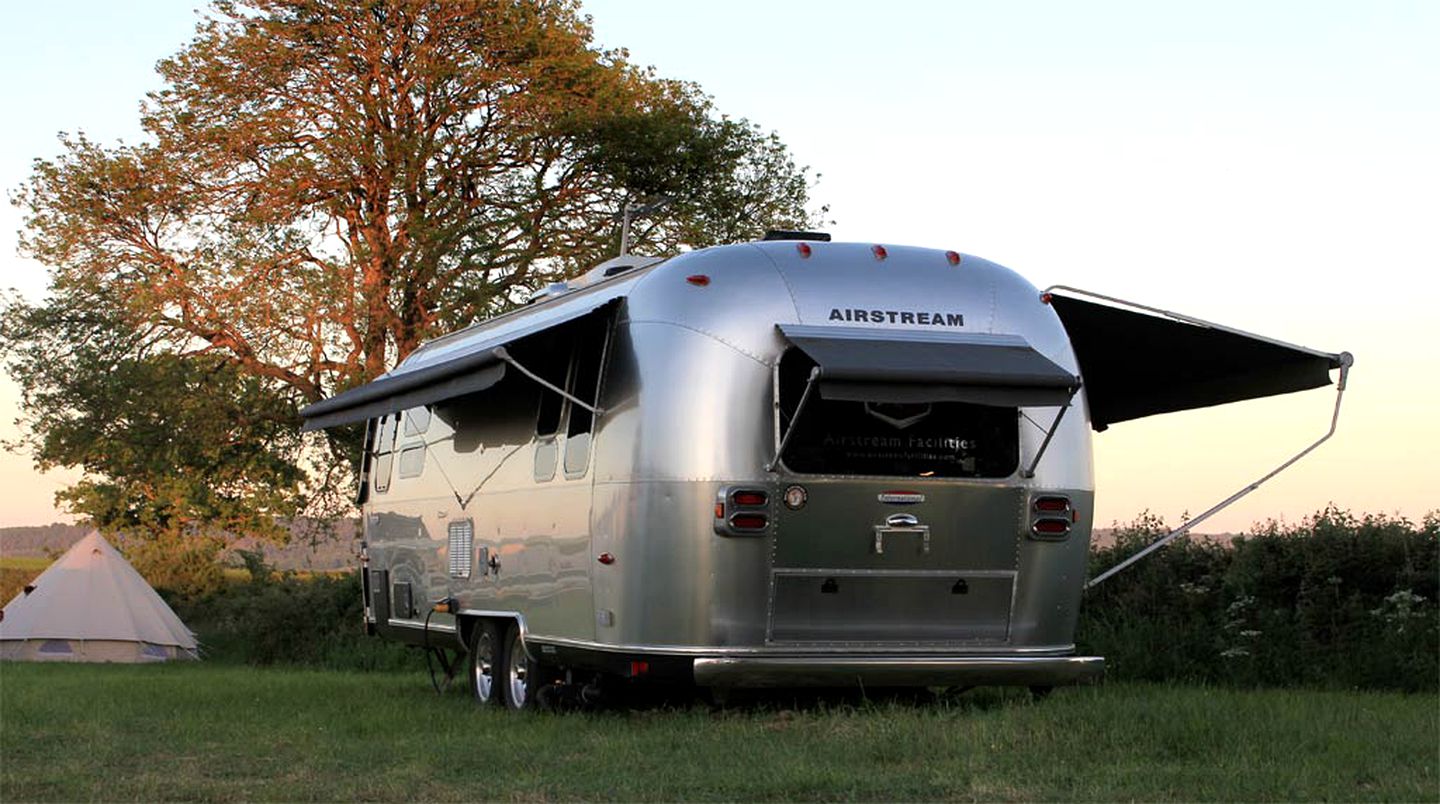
point(462, 548)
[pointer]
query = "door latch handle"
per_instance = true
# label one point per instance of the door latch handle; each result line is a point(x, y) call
point(489, 562)
point(881, 531)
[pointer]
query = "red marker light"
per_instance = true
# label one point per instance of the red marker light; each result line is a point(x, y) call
point(879, 252)
point(953, 257)
point(639, 668)
point(720, 510)
point(1045, 298)
point(698, 280)
point(803, 248)
point(606, 558)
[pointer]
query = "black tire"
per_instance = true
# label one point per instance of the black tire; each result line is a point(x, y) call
point(517, 672)
point(484, 656)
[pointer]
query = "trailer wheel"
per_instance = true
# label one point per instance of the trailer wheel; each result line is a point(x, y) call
point(484, 651)
point(517, 673)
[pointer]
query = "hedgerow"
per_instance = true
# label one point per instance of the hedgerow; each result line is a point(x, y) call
point(1335, 601)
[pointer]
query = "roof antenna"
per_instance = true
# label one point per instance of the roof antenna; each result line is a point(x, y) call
point(632, 211)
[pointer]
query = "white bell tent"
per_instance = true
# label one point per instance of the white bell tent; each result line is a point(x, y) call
point(92, 606)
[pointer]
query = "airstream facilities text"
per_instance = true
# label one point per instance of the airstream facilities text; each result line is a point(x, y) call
point(782, 463)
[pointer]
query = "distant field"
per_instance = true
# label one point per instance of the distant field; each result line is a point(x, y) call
point(214, 732)
point(16, 571)
point(25, 563)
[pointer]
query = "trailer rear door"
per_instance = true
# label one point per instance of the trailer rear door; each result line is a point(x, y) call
point(907, 451)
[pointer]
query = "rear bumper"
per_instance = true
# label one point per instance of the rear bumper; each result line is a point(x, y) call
point(898, 671)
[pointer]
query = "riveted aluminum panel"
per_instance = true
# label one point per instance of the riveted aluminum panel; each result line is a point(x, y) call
point(974, 527)
point(831, 607)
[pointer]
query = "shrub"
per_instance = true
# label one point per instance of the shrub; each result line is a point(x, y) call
point(291, 618)
point(1334, 601)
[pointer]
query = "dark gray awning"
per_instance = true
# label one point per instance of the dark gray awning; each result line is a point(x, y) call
point(1137, 364)
point(457, 364)
point(393, 394)
point(887, 365)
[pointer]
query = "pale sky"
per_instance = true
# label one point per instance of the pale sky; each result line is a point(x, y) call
point(1267, 165)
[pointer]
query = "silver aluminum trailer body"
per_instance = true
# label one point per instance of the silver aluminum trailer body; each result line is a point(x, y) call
point(660, 516)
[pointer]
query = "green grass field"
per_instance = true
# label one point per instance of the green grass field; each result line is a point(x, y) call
point(232, 733)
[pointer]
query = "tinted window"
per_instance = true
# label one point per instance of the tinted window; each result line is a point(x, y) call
point(547, 423)
point(589, 353)
point(584, 385)
point(385, 452)
point(940, 439)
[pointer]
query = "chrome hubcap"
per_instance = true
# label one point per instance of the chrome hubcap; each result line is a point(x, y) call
point(483, 670)
point(519, 672)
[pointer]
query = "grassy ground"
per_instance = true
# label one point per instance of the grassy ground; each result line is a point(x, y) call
point(231, 733)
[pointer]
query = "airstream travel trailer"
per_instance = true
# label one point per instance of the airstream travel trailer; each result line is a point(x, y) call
point(788, 462)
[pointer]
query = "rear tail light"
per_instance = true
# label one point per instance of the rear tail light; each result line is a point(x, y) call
point(749, 498)
point(1052, 505)
point(1051, 516)
point(749, 521)
point(742, 511)
point(1051, 527)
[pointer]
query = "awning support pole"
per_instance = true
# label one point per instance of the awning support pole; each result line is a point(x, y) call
point(1044, 445)
point(501, 354)
point(1345, 362)
point(800, 408)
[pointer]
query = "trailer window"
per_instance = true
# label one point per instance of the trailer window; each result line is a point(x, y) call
point(585, 385)
point(385, 452)
point(934, 439)
point(554, 366)
point(417, 421)
point(412, 460)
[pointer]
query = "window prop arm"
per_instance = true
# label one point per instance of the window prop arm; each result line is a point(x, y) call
point(800, 408)
point(1049, 434)
point(500, 353)
point(1345, 362)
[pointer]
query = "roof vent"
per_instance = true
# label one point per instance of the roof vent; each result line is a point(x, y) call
point(786, 234)
point(550, 291)
point(613, 267)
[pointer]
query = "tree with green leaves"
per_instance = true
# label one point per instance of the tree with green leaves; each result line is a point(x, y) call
point(327, 183)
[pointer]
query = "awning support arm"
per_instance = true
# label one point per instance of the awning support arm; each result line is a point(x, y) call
point(501, 354)
point(1044, 445)
point(1345, 362)
point(800, 408)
